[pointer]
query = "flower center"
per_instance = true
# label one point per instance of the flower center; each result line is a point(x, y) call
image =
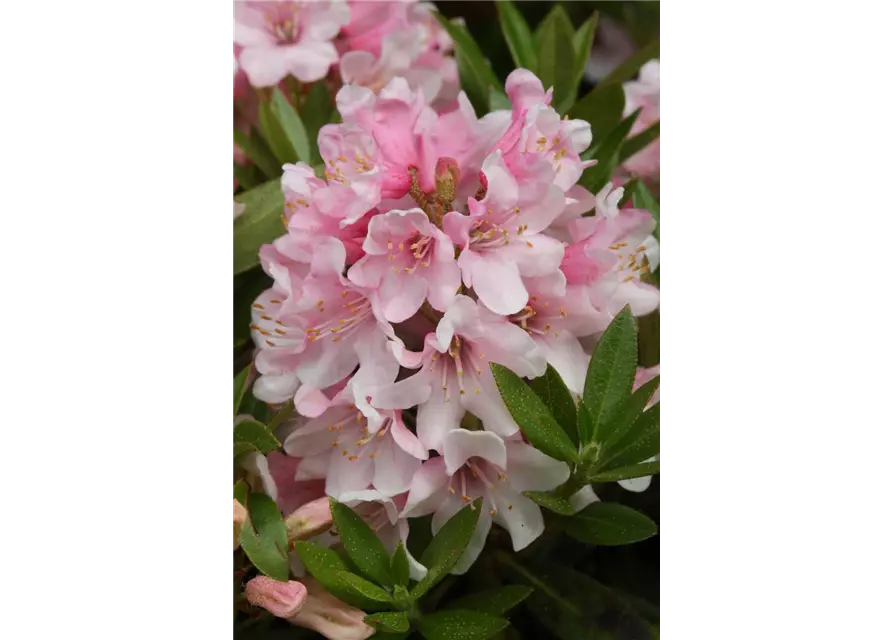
point(478, 477)
point(282, 23)
point(344, 320)
point(459, 359)
point(416, 250)
point(538, 317)
point(630, 263)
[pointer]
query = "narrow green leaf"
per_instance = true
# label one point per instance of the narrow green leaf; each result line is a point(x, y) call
point(475, 73)
point(555, 59)
point(583, 47)
point(607, 153)
point(282, 415)
point(498, 99)
point(629, 68)
point(240, 385)
point(447, 547)
point(628, 188)
point(612, 370)
point(263, 537)
point(362, 587)
point(240, 492)
point(388, 621)
point(493, 601)
point(610, 524)
point(326, 567)
point(273, 134)
point(255, 433)
point(532, 416)
point(460, 625)
point(602, 108)
point(625, 473)
point(361, 544)
point(517, 35)
point(633, 145)
point(584, 422)
point(292, 126)
point(240, 449)
point(640, 442)
point(551, 502)
point(316, 111)
point(557, 398)
point(246, 175)
point(400, 566)
point(260, 223)
point(642, 199)
point(611, 432)
point(256, 150)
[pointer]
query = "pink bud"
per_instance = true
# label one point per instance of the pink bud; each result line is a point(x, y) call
point(309, 520)
point(330, 617)
point(240, 516)
point(446, 177)
point(282, 599)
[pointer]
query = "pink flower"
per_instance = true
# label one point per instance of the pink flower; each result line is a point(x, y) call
point(454, 373)
point(643, 375)
point(309, 520)
point(240, 517)
point(407, 261)
point(282, 599)
point(502, 239)
point(288, 38)
point(481, 464)
point(274, 474)
point(644, 93)
point(353, 453)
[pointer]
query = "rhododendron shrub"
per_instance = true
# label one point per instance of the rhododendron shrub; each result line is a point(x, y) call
point(441, 298)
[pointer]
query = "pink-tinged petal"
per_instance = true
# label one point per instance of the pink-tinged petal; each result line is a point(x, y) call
point(461, 317)
point(401, 295)
point(291, 493)
point(488, 405)
point(461, 445)
point(636, 485)
point(642, 298)
point(310, 61)
point(406, 393)
point(347, 475)
point(502, 188)
point(311, 402)
point(265, 66)
point(579, 132)
point(583, 498)
point(565, 353)
point(276, 389)
point(475, 545)
point(652, 252)
point(511, 346)
point(329, 257)
point(497, 282)
point(394, 468)
point(538, 255)
point(524, 89)
point(427, 490)
point(644, 375)
point(309, 439)
point(313, 468)
point(249, 28)
point(539, 205)
point(325, 363)
point(406, 439)
point(440, 414)
point(458, 226)
point(530, 469)
point(357, 66)
point(323, 20)
point(523, 521)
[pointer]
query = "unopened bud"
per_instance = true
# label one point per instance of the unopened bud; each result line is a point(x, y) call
point(282, 599)
point(240, 516)
point(482, 190)
point(446, 177)
point(309, 520)
point(327, 615)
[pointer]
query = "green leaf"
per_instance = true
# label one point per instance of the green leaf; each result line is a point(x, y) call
point(551, 502)
point(607, 153)
point(260, 223)
point(642, 199)
point(475, 73)
point(555, 59)
point(517, 35)
point(250, 431)
point(282, 415)
point(612, 370)
point(611, 432)
point(246, 176)
point(263, 537)
point(447, 547)
point(641, 442)
point(557, 398)
point(638, 142)
point(256, 150)
point(602, 108)
point(240, 492)
point(584, 422)
point(400, 566)
point(582, 42)
point(240, 385)
point(361, 544)
point(610, 524)
point(326, 567)
point(292, 126)
point(493, 601)
point(629, 68)
point(498, 99)
point(532, 416)
point(460, 625)
point(625, 473)
point(388, 621)
point(316, 111)
point(362, 587)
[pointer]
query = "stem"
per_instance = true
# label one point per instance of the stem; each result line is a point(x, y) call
point(510, 562)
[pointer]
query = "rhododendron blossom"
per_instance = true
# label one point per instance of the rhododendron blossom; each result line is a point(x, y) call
point(644, 94)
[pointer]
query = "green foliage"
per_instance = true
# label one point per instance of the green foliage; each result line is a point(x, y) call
point(292, 127)
point(447, 547)
point(602, 108)
point(557, 398)
point(629, 68)
point(555, 57)
point(551, 502)
point(607, 153)
point(256, 150)
point(475, 73)
point(240, 386)
point(625, 473)
point(263, 537)
point(400, 566)
point(260, 223)
point(638, 142)
point(642, 199)
point(609, 524)
point(388, 621)
point(583, 47)
point(361, 544)
point(493, 601)
point(251, 435)
point(517, 35)
point(460, 625)
point(316, 112)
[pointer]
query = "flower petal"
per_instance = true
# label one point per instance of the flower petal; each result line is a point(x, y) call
point(460, 445)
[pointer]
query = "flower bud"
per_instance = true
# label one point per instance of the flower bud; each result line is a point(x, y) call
point(282, 599)
point(309, 520)
point(240, 516)
point(327, 615)
point(446, 177)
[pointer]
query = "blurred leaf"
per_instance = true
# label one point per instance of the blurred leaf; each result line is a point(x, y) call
point(551, 502)
point(625, 473)
point(638, 142)
point(498, 99)
point(475, 73)
point(532, 416)
point(493, 601)
point(460, 625)
point(245, 175)
point(263, 537)
point(388, 621)
point(240, 385)
point(400, 566)
point(250, 431)
point(260, 223)
point(582, 42)
point(240, 492)
point(612, 369)
point(256, 150)
point(608, 154)
point(282, 415)
point(641, 442)
point(361, 544)
point(555, 56)
point(629, 68)
point(602, 108)
point(610, 524)
point(642, 199)
point(316, 112)
point(291, 125)
point(447, 547)
point(274, 135)
point(557, 398)
point(517, 35)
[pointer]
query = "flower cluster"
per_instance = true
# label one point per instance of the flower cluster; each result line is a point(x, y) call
point(644, 94)
point(434, 245)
